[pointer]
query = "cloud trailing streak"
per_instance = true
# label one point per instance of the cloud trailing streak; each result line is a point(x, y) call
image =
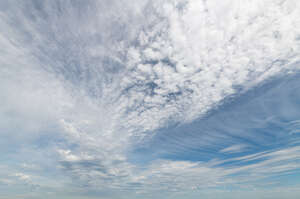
point(149, 99)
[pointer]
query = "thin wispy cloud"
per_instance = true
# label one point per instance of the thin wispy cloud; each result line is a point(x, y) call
point(234, 149)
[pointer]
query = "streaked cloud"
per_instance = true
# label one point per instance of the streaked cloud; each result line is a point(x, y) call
point(234, 149)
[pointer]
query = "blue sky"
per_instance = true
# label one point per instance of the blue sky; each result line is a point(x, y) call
point(150, 99)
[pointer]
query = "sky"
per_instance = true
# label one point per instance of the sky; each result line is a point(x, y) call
point(171, 99)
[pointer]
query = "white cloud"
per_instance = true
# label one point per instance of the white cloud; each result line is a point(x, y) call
point(126, 70)
point(212, 48)
point(23, 176)
point(234, 149)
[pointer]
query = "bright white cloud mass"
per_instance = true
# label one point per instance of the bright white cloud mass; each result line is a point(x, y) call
point(150, 99)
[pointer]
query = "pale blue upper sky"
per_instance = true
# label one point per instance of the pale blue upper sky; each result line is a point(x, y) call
point(149, 99)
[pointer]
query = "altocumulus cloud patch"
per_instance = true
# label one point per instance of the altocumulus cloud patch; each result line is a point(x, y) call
point(167, 99)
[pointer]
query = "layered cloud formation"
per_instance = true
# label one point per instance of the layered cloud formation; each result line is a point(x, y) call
point(121, 100)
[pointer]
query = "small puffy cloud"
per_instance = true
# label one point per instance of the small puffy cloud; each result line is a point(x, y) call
point(23, 176)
